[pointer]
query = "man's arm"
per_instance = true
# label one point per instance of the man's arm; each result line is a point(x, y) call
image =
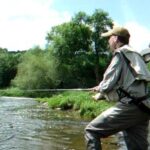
point(111, 75)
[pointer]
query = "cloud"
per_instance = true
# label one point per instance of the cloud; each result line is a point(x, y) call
point(140, 35)
point(24, 24)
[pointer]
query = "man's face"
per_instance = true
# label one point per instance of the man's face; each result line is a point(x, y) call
point(112, 42)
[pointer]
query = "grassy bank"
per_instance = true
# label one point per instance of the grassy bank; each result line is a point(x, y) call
point(78, 101)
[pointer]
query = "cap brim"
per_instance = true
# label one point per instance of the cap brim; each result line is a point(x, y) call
point(106, 34)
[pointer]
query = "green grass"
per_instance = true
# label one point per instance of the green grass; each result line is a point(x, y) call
point(11, 92)
point(77, 101)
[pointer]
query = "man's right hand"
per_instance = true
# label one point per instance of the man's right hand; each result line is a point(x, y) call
point(98, 96)
point(95, 89)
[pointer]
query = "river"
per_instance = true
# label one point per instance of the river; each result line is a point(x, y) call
point(26, 125)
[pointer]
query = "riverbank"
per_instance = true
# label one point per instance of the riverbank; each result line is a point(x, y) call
point(79, 101)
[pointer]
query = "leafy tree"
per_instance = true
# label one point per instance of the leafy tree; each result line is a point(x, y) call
point(80, 50)
point(36, 70)
point(8, 67)
point(100, 23)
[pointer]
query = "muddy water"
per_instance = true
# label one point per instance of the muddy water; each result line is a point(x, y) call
point(25, 125)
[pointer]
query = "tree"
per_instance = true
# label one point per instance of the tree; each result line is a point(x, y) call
point(100, 23)
point(8, 67)
point(80, 50)
point(36, 70)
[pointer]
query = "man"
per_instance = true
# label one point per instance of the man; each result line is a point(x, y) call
point(126, 77)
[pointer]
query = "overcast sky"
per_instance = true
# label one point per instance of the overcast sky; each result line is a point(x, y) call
point(25, 23)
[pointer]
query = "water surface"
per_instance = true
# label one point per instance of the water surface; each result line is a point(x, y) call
point(26, 125)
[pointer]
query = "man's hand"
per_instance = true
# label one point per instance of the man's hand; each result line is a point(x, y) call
point(98, 96)
point(95, 89)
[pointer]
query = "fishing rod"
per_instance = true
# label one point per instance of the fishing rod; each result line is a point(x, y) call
point(58, 90)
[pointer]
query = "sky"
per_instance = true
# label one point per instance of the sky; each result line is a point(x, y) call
point(24, 24)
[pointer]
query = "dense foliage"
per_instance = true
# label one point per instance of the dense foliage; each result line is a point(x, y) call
point(75, 56)
point(37, 69)
point(79, 48)
point(8, 66)
point(80, 102)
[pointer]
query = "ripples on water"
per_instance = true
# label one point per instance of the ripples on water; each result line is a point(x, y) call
point(26, 126)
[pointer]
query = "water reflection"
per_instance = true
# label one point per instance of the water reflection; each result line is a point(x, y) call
point(25, 125)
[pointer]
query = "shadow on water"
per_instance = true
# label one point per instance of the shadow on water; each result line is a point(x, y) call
point(25, 125)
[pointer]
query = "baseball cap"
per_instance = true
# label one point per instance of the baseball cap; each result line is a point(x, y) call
point(119, 31)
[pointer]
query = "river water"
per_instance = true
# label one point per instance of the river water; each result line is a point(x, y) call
point(26, 125)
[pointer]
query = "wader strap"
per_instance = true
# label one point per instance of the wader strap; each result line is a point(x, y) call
point(136, 100)
point(128, 63)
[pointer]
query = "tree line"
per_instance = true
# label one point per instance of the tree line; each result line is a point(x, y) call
point(75, 56)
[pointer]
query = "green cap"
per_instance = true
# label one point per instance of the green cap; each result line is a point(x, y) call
point(119, 31)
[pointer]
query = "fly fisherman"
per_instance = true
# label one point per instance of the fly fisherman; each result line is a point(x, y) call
point(125, 80)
